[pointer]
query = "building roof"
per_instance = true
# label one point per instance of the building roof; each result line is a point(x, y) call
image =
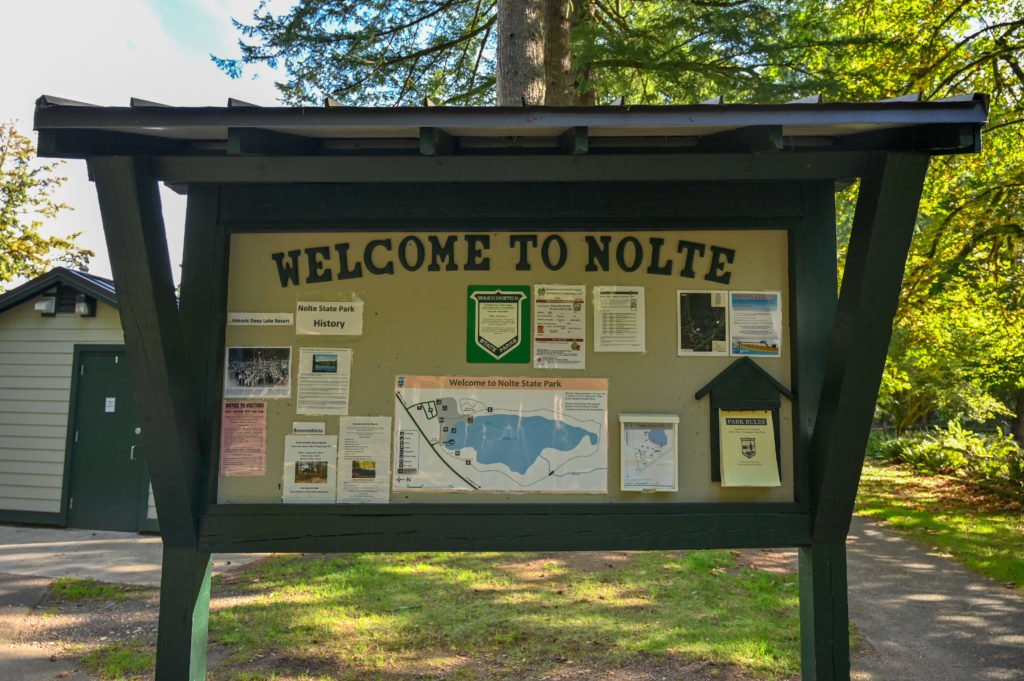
point(90, 284)
point(79, 130)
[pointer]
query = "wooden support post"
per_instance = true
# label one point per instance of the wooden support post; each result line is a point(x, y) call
point(184, 615)
point(824, 617)
point(134, 227)
point(882, 228)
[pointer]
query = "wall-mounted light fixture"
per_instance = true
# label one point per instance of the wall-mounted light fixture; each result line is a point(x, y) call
point(47, 305)
point(85, 306)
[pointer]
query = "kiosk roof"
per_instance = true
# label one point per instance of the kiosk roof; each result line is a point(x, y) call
point(75, 129)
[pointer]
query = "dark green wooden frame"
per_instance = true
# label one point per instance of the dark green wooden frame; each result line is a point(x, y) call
point(176, 357)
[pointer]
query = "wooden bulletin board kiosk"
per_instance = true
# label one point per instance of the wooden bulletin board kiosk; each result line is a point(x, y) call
point(507, 329)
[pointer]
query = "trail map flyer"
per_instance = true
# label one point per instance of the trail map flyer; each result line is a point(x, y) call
point(364, 460)
point(755, 318)
point(649, 454)
point(501, 434)
point(703, 323)
point(559, 327)
point(324, 375)
point(747, 439)
point(619, 319)
point(243, 439)
point(310, 466)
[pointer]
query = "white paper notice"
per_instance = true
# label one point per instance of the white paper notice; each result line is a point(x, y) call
point(323, 380)
point(559, 327)
point(329, 318)
point(364, 460)
point(755, 321)
point(309, 428)
point(310, 468)
point(619, 319)
point(260, 319)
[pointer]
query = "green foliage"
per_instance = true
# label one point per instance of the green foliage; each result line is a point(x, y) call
point(26, 203)
point(988, 459)
point(385, 53)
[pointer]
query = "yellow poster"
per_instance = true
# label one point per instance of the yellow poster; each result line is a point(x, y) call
point(747, 442)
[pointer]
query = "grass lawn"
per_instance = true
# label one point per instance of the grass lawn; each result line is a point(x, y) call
point(981, 531)
point(507, 616)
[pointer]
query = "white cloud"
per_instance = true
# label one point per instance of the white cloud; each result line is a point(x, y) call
point(105, 52)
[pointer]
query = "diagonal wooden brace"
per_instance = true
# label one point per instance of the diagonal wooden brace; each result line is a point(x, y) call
point(883, 225)
point(134, 227)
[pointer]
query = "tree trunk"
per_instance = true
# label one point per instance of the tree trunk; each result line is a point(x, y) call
point(520, 72)
point(559, 89)
point(1018, 419)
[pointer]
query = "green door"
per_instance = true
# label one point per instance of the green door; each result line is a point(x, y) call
point(109, 481)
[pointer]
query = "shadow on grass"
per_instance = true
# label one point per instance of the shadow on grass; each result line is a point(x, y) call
point(477, 616)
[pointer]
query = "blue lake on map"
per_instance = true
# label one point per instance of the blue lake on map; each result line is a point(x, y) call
point(516, 441)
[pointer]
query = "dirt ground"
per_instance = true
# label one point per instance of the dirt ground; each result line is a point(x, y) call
point(65, 631)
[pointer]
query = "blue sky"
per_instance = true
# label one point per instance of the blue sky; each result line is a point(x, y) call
point(106, 51)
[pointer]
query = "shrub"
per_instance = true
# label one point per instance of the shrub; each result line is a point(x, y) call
point(991, 459)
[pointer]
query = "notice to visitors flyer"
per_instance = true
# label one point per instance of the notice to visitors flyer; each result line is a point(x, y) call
point(501, 434)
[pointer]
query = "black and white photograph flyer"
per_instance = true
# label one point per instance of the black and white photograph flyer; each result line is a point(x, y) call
point(258, 372)
point(310, 468)
point(324, 375)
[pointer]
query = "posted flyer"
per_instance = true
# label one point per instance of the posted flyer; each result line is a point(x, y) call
point(364, 460)
point(747, 441)
point(619, 319)
point(243, 439)
point(559, 327)
point(702, 323)
point(755, 318)
point(310, 468)
point(258, 372)
point(324, 376)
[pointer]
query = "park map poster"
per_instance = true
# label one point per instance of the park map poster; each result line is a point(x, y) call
point(501, 434)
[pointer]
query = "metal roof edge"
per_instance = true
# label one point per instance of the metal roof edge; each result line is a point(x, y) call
point(98, 287)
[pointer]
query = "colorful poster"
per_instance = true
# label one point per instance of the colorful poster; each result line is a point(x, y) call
point(559, 327)
point(310, 468)
point(755, 321)
point(324, 377)
point(258, 372)
point(703, 323)
point(501, 434)
point(619, 319)
point(747, 441)
point(364, 460)
point(497, 324)
point(243, 439)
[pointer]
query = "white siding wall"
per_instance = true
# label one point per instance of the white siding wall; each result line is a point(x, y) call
point(36, 353)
